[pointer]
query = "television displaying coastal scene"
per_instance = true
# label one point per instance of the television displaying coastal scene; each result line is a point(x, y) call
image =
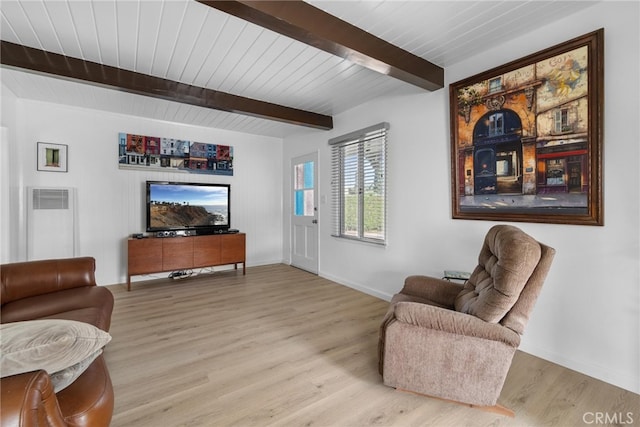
point(172, 206)
point(173, 155)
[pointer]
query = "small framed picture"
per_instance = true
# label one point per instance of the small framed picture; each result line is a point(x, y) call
point(52, 157)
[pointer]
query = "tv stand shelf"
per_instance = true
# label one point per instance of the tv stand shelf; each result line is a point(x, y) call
point(160, 254)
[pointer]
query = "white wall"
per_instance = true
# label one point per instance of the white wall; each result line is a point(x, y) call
point(7, 180)
point(111, 200)
point(588, 316)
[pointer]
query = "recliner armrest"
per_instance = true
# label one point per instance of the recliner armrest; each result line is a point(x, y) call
point(440, 291)
point(29, 400)
point(454, 322)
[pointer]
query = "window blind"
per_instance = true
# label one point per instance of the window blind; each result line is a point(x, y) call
point(358, 180)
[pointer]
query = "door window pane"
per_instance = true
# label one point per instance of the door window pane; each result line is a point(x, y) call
point(303, 189)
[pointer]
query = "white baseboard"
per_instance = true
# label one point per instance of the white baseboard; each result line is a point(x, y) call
point(609, 375)
point(369, 291)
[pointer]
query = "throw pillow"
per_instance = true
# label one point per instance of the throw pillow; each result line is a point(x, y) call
point(65, 377)
point(63, 348)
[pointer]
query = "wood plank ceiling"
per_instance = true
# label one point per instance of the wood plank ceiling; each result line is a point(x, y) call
point(184, 43)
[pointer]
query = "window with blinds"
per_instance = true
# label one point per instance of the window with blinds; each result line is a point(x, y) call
point(358, 180)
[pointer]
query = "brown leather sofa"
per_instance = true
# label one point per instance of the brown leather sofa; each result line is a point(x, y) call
point(56, 289)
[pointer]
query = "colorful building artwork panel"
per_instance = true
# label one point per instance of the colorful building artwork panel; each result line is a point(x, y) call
point(173, 155)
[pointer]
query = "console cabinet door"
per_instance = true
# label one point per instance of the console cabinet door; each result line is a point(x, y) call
point(177, 253)
point(233, 248)
point(144, 256)
point(206, 251)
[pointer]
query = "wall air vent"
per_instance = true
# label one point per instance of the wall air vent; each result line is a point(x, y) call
point(51, 224)
point(50, 198)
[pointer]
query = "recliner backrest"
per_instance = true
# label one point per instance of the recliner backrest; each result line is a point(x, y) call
point(517, 318)
point(508, 264)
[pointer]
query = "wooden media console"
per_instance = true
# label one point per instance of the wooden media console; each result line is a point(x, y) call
point(159, 254)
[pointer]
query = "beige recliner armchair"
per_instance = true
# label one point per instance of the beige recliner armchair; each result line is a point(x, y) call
point(455, 341)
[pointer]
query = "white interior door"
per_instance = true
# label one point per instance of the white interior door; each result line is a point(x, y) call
point(304, 213)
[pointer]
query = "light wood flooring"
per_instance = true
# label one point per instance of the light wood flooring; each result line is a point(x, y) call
point(282, 347)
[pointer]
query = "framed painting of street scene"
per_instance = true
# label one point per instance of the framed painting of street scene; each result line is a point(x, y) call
point(526, 137)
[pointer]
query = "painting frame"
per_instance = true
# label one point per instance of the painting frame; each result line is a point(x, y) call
point(52, 157)
point(527, 137)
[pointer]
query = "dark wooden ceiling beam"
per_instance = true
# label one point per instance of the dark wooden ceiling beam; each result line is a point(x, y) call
point(41, 61)
point(308, 24)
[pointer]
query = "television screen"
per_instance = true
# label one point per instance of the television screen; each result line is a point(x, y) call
point(188, 206)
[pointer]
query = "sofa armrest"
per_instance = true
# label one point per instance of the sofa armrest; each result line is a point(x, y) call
point(30, 278)
point(442, 292)
point(29, 400)
point(454, 322)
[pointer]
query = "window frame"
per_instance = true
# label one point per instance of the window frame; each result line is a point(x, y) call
point(496, 124)
point(362, 139)
point(495, 85)
point(561, 120)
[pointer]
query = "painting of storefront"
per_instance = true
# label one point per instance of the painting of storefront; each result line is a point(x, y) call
point(562, 124)
point(496, 135)
point(524, 132)
point(196, 163)
point(136, 150)
point(523, 139)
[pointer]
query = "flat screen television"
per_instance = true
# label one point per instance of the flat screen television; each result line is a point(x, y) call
point(196, 207)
